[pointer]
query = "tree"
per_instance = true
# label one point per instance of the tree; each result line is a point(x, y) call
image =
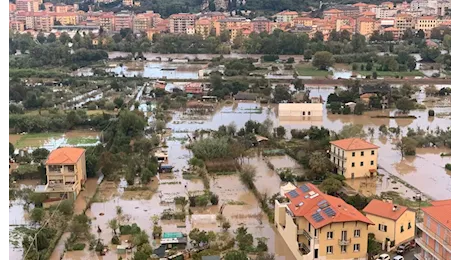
point(407, 146)
point(118, 102)
point(431, 90)
point(411, 63)
point(281, 93)
point(36, 215)
point(420, 34)
point(40, 154)
point(299, 84)
point(350, 131)
point(374, 75)
point(405, 104)
point(430, 54)
point(323, 60)
point(226, 225)
point(41, 37)
point(280, 132)
point(51, 38)
point(359, 108)
point(66, 207)
point(373, 247)
point(331, 185)
point(11, 149)
point(358, 42)
point(247, 176)
point(236, 255)
point(319, 164)
point(113, 225)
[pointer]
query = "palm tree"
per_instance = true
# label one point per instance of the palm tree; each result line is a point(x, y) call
point(113, 224)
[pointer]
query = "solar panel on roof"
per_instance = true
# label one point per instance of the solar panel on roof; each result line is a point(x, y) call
point(323, 204)
point(305, 188)
point(317, 217)
point(293, 194)
point(329, 211)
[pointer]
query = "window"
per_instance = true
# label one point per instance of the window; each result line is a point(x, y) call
point(356, 247)
point(428, 221)
point(361, 164)
point(357, 233)
point(436, 247)
point(352, 164)
point(316, 232)
point(383, 228)
point(362, 153)
point(353, 154)
point(309, 227)
point(343, 249)
point(372, 162)
point(330, 235)
point(427, 239)
point(402, 228)
point(438, 230)
point(329, 250)
point(372, 152)
point(309, 113)
point(409, 226)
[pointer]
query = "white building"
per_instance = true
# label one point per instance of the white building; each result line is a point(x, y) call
point(300, 110)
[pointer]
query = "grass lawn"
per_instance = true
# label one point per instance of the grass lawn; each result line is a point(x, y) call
point(309, 70)
point(82, 140)
point(34, 140)
point(390, 73)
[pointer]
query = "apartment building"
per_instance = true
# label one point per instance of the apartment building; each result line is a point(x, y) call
point(228, 23)
point(42, 21)
point(178, 23)
point(315, 225)
point(384, 12)
point(107, 22)
point(286, 16)
point(354, 157)
point(348, 10)
point(426, 24)
point(49, 7)
point(365, 26)
point(260, 24)
point(434, 239)
point(123, 20)
point(402, 23)
point(203, 27)
point(65, 173)
point(345, 23)
point(393, 224)
point(17, 26)
point(332, 13)
point(62, 8)
point(66, 18)
point(144, 21)
point(303, 21)
point(27, 5)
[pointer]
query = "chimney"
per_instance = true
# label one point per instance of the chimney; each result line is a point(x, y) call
point(395, 208)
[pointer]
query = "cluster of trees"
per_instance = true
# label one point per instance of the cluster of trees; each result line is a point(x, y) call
point(220, 89)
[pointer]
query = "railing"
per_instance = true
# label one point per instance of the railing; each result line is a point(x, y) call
point(429, 249)
point(340, 156)
point(445, 242)
point(344, 242)
point(304, 249)
point(304, 233)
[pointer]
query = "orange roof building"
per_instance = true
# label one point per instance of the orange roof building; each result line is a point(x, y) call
point(314, 221)
point(434, 240)
point(394, 224)
point(354, 157)
point(66, 155)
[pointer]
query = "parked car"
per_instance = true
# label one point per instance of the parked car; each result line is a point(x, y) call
point(384, 257)
point(403, 248)
point(398, 257)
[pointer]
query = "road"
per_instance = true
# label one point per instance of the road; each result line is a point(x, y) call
point(407, 256)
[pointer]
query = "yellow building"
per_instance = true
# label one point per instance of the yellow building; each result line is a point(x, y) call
point(394, 224)
point(66, 18)
point(402, 23)
point(366, 26)
point(300, 110)
point(65, 173)
point(203, 27)
point(426, 24)
point(315, 225)
point(354, 157)
point(286, 16)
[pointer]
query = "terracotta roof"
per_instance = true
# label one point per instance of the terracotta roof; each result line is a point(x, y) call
point(360, 4)
point(288, 13)
point(384, 209)
point(333, 11)
point(203, 22)
point(368, 13)
point(66, 155)
point(351, 144)
point(427, 18)
point(313, 205)
point(440, 211)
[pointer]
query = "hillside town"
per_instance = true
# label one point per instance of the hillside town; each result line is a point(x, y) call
point(387, 17)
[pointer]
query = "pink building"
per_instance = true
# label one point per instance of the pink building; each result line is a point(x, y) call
point(434, 241)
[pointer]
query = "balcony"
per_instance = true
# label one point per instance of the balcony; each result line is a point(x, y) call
point(304, 233)
point(304, 249)
point(444, 242)
point(429, 249)
point(340, 156)
point(344, 242)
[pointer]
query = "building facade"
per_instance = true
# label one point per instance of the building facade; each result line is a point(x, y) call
point(354, 157)
point(65, 173)
point(393, 224)
point(300, 110)
point(286, 16)
point(315, 225)
point(178, 23)
point(434, 239)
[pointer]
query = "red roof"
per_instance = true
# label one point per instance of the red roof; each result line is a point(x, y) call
point(360, 4)
point(440, 211)
point(351, 144)
point(313, 203)
point(66, 155)
point(384, 209)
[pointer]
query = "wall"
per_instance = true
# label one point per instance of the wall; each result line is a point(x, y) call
point(298, 109)
point(360, 171)
point(407, 234)
point(381, 236)
point(337, 229)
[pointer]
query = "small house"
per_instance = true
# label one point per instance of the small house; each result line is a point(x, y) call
point(300, 109)
point(194, 88)
point(166, 169)
point(175, 240)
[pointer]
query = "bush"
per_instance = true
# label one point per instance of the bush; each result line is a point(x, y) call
point(214, 199)
point(129, 229)
point(374, 75)
point(78, 246)
point(115, 240)
point(431, 112)
point(290, 60)
point(270, 58)
point(66, 207)
point(447, 166)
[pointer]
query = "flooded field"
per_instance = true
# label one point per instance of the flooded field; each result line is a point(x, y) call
point(51, 141)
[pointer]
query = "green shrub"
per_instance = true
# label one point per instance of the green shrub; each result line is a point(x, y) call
point(78, 247)
point(431, 112)
point(447, 166)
